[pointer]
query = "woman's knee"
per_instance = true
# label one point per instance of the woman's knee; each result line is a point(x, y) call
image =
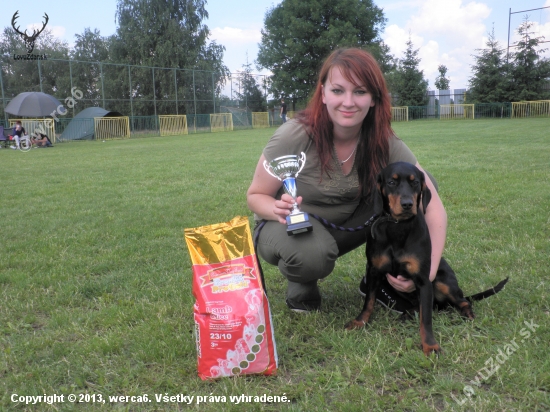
point(301, 258)
point(302, 266)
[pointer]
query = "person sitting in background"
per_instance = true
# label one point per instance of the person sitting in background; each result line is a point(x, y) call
point(19, 131)
point(41, 140)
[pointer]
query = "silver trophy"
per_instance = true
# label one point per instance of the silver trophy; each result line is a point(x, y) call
point(286, 169)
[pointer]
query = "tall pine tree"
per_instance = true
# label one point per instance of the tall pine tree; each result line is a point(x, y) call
point(529, 72)
point(407, 82)
point(490, 81)
point(250, 94)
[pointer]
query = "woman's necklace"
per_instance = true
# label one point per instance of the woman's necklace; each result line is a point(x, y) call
point(349, 157)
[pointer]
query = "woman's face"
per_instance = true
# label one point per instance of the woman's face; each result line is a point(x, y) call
point(347, 104)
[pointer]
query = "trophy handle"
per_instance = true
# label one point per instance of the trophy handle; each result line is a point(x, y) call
point(267, 167)
point(302, 161)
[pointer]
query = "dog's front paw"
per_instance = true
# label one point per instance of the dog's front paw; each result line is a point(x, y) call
point(355, 324)
point(466, 311)
point(468, 314)
point(429, 349)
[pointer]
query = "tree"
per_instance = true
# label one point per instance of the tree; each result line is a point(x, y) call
point(407, 81)
point(299, 34)
point(18, 76)
point(386, 60)
point(90, 45)
point(441, 82)
point(24, 76)
point(89, 49)
point(153, 33)
point(249, 92)
point(56, 79)
point(529, 72)
point(490, 81)
point(160, 33)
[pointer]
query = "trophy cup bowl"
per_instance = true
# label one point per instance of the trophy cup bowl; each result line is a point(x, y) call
point(286, 169)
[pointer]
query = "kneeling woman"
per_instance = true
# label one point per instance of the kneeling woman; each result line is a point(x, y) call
point(346, 134)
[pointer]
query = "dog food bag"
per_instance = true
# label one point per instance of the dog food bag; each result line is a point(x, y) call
point(233, 326)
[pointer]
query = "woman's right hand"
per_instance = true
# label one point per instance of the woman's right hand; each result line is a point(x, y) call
point(283, 207)
point(262, 196)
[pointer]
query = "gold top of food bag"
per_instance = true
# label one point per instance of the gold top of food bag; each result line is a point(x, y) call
point(219, 242)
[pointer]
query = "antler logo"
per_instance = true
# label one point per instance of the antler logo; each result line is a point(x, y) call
point(29, 40)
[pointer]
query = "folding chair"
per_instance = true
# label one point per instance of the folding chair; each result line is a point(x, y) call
point(4, 136)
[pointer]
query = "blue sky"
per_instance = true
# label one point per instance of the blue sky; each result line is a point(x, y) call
point(445, 31)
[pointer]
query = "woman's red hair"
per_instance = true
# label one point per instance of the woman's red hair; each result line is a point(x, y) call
point(373, 148)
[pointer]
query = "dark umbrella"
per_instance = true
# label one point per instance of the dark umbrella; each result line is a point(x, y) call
point(33, 104)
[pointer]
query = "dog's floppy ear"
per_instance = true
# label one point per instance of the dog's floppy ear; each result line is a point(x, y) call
point(426, 192)
point(378, 200)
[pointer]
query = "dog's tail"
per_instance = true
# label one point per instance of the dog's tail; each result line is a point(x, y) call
point(488, 292)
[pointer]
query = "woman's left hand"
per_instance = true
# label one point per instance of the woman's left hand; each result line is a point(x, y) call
point(401, 284)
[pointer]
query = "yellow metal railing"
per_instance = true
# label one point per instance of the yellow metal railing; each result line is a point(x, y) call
point(173, 125)
point(108, 128)
point(260, 119)
point(32, 126)
point(537, 108)
point(221, 122)
point(400, 114)
point(456, 111)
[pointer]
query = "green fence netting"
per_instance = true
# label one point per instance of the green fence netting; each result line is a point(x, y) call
point(67, 129)
point(493, 110)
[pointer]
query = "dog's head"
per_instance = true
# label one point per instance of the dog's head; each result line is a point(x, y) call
point(399, 190)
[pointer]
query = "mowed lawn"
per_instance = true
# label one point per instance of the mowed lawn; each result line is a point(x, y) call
point(95, 279)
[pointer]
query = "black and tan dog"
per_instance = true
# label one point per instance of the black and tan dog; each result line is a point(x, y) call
point(399, 244)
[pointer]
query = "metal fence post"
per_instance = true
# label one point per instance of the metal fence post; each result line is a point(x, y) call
point(154, 94)
point(213, 93)
point(71, 78)
point(102, 87)
point(176, 90)
point(40, 76)
point(265, 92)
point(3, 96)
point(194, 94)
point(130, 93)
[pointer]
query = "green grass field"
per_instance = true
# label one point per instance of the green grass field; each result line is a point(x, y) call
point(95, 279)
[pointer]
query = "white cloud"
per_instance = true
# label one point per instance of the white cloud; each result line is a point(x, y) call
point(57, 31)
point(235, 35)
point(401, 5)
point(429, 55)
point(455, 21)
point(396, 38)
point(445, 32)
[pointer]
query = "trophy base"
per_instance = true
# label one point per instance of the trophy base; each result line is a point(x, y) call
point(298, 223)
